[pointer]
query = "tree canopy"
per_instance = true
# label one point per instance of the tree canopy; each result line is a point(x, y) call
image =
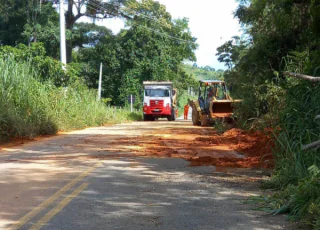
point(148, 49)
point(152, 46)
point(279, 34)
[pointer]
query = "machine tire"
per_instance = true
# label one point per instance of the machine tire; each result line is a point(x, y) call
point(173, 116)
point(204, 121)
point(195, 117)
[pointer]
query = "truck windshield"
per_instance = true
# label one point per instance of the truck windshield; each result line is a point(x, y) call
point(157, 93)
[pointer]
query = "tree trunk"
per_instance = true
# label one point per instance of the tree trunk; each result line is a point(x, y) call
point(302, 76)
point(314, 144)
point(71, 19)
point(69, 50)
point(311, 146)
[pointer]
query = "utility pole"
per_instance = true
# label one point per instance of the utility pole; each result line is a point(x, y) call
point(63, 57)
point(100, 82)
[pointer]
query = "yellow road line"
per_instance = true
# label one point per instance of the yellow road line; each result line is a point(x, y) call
point(23, 220)
point(58, 208)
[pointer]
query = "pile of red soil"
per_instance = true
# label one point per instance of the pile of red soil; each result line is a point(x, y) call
point(255, 146)
point(248, 162)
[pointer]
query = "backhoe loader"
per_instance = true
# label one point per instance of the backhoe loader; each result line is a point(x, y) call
point(213, 103)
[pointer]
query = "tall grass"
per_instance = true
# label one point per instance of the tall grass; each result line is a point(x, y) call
point(297, 172)
point(298, 128)
point(30, 107)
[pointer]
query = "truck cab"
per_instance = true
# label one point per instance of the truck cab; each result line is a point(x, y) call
point(159, 101)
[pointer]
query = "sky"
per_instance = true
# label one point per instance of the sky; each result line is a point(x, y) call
point(211, 21)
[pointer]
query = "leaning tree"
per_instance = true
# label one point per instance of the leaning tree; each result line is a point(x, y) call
point(315, 144)
point(95, 9)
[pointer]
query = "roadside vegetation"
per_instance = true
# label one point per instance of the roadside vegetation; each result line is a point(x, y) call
point(38, 97)
point(281, 36)
point(32, 107)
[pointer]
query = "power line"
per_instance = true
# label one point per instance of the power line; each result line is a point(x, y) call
point(147, 17)
point(138, 14)
point(160, 33)
point(167, 35)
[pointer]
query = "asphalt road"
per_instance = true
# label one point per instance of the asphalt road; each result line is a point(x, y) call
point(84, 180)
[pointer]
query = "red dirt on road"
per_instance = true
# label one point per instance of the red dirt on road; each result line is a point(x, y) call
point(201, 146)
point(255, 146)
point(204, 146)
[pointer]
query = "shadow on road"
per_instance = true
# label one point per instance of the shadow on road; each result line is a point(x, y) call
point(141, 184)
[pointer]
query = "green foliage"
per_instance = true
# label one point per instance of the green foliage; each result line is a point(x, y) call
point(88, 34)
point(297, 171)
point(95, 9)
point(232, 51)
point(298, 128)
point(281, 36)
point(43, 26)
point(30, 107)
point(261, 106)
point(203, 73)
point(47, 67)
point(301, 200)
point(142, 52)
point(29, 22)
point(183, 98)
point(13, 15)
point(277, 32)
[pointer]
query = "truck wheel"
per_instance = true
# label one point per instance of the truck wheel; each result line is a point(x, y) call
point(173, 116)
point(204, 121)
point(195, 117)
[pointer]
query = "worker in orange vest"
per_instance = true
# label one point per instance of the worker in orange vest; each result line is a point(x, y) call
point(186, 110)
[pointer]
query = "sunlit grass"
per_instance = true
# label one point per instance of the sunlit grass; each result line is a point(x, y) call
point(30, 107)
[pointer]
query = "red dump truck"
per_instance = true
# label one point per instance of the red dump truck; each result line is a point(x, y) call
point(159, 100)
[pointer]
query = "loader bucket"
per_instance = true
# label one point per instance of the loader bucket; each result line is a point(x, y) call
point(221, 109)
